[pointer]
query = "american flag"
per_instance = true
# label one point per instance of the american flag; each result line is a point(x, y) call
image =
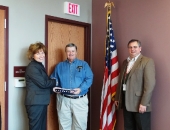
point(111, 72)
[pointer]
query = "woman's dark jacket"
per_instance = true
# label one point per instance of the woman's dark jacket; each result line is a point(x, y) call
point(38, 84)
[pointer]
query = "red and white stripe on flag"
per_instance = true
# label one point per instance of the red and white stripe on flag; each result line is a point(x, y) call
point(111, 72)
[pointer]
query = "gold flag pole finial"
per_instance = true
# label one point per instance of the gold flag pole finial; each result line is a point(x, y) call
point(109, 4)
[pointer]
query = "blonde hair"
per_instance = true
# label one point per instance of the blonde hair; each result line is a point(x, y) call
point(34, 48)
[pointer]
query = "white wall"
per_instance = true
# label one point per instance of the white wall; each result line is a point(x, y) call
point(26, 26)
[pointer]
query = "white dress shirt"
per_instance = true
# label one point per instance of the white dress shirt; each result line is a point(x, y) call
point(131, 62)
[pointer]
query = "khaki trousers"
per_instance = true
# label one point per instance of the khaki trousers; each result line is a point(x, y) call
point(72, 113)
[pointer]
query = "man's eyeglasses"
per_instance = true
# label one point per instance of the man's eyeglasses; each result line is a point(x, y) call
point(130, 47)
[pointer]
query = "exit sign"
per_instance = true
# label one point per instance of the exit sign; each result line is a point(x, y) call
point(71, 8)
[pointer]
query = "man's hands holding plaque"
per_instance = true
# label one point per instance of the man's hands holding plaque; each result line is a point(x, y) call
point(62, 90)
point(66, 91)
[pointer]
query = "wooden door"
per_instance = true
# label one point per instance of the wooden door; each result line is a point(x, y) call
point(60, 34)
point(3, 68)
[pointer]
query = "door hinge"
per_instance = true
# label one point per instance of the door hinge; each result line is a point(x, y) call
point(4, 23)
point(5, 86)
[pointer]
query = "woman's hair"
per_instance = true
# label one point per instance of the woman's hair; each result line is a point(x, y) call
point(34, 48)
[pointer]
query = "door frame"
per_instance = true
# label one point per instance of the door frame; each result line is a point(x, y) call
point(87, 46)
point(87, 27)
point(6, 32)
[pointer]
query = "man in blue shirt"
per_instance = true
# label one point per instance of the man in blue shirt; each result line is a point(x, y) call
point(74, 78)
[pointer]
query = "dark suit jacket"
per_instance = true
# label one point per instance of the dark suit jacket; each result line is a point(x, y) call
point(38, 84)
point(139, 85)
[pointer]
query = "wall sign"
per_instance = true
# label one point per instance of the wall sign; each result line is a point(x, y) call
point(19, 71)
point(71, 8)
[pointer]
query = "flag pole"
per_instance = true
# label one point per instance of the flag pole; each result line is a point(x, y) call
point(110, 80)
point(109, 5)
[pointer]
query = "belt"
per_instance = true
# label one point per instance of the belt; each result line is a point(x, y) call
point(73, 97)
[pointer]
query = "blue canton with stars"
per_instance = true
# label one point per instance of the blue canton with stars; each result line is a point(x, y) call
point(110, 44)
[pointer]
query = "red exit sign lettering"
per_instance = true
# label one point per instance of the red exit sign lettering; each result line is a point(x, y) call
point(71, 8)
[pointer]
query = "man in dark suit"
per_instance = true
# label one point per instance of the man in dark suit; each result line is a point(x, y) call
point(135, 86)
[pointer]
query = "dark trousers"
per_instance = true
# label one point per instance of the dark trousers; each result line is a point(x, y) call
point(135, 120)
point(37, 115)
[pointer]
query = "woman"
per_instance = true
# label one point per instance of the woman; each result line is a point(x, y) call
point(38, 87)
